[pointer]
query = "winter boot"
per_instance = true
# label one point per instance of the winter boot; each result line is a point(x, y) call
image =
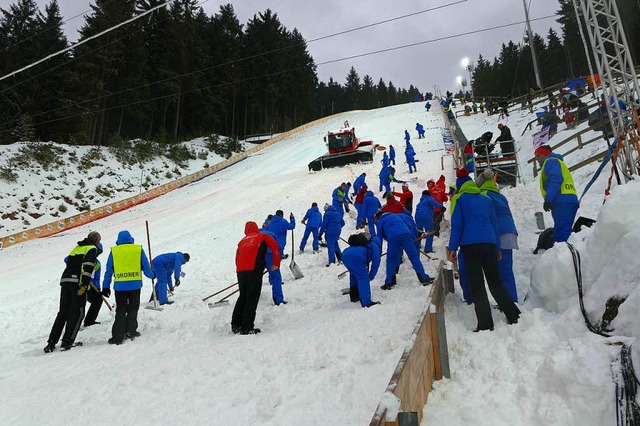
point(235, 329)
point(339, 257)
point(113, 341)
point(372, 304)
point(49, 348)
point(354, 294)
point(133, 335)
point(424, 280)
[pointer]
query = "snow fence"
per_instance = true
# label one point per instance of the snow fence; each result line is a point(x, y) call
point(425, 359)
point(118, 206)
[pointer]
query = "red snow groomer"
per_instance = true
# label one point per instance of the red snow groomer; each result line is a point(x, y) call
point(344, 148)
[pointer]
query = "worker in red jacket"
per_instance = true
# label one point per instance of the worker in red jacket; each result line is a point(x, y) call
point(437, 191)
point(250, 264)
point(393, 205)
point(406, 197)
point(359, 205)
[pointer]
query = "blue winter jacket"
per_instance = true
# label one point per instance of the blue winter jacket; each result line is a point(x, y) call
point(410, 223)
point(313, 217)
point(357, 184)
point(474, 220)
point(392, 153)
point(279, 226)
point(410, 154)
point(124, 237)
point(407, 136)
point(554, 181)
point(371, 204)
point(367, 254)
point(337, 199)
point(391, 225)
point(385, 160)
point(170, 262)
point(419, 128)
point(332, 221)
point(263, 230)
point(424, 209)
point(506, 225)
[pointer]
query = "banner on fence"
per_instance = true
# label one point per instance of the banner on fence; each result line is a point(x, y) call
point(447, 139)
point(540, 138)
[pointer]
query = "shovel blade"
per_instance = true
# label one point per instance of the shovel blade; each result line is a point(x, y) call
point(295, 270)
point(218, 304)
point(343, 274)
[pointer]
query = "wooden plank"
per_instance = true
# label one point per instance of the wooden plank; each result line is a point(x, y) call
point(436, 352)
point(588, 161)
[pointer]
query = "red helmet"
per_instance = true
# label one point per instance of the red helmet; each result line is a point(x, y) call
point(500, 125)
point(431, 182)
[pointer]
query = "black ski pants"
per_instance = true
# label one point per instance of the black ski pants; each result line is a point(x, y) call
point(244, 313)
point(437, 218)
point(479, 258)
point(127, 305)
point(70, 315)
point(95, 303)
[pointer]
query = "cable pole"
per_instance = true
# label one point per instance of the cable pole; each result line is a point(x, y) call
point(536, 69)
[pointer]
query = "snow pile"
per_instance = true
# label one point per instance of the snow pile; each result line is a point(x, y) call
point(610, 259)
point(553, 279)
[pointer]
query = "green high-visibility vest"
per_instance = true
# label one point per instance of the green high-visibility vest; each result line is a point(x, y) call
point(567, 186)
point(126, 262)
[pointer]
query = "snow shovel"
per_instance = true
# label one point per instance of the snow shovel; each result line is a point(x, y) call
point(155, 306)
point(104, 299)
point(218, 292)
point(223, 301)
point(295, 270)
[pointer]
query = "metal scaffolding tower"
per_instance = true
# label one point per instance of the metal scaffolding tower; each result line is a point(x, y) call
point(617, 74)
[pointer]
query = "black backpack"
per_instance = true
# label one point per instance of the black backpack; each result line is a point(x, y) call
point(359, 239)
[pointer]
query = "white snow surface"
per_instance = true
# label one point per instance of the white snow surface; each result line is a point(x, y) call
point(320, 358)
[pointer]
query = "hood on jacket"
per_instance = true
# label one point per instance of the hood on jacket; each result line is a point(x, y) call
point(124, 237)
point(251, 228)
point(469, 187)
point(489, 185)
point(555, 155)
point(331, 209)
point(369, 194)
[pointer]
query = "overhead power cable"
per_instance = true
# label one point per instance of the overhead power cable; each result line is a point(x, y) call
point(285, 71)
point(84, 41)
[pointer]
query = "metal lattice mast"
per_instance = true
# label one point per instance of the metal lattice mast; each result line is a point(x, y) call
point(613, 60)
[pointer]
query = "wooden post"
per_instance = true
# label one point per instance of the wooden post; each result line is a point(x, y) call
point(580, 141)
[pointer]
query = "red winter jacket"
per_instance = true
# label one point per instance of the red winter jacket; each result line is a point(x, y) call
point(252, 249)
point(406, 199)
point(438, 192)
point(393, 206)
point(360, 196)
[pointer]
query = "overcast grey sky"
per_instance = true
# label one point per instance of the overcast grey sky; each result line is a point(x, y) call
point(426, 65)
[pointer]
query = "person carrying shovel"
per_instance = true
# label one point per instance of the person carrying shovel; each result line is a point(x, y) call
point(250, 264)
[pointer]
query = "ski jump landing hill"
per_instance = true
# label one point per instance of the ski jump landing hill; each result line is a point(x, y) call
point(318, 357)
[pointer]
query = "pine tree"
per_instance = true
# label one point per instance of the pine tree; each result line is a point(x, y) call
point(352, 88)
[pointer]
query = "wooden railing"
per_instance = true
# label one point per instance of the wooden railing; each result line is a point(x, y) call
point(424, 360)
point(580, 143)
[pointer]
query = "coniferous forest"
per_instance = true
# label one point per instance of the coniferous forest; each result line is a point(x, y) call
point(178, 73)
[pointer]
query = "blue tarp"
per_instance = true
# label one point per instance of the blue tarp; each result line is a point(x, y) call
point(576, 82)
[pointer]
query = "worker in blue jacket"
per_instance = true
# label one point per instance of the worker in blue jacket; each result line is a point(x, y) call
point(427, 106)
point(279, 226)
point(558, 191)
point(420, 130)
point(338, 197)
point(407, 136)
point(408, 220)
point(332, 224)
point(410, 155)
point(424, 217)
point(312, 221)
point(362, 261)
point(357, 184)
point(384, 172)
point(275, 276)
point(370, 206)
point(166, 265)
point(388, 178)
point(94, 296)
point(392, 155)
point(392, 228)
point(474, 229)
point(385, 159)
point(127, 261)
point(507, 228)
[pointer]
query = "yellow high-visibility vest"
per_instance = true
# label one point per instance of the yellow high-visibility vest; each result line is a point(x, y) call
point(126, 262)
point(567, 186)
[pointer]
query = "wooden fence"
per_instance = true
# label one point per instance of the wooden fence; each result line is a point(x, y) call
point(424, 360)
point(118, 206)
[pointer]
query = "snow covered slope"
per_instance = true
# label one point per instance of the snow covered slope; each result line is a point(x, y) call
point(318, 357)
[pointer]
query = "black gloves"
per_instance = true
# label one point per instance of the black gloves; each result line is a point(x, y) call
point(106, 292)
point(547, 206)
point(177, 283)
point(443, 209)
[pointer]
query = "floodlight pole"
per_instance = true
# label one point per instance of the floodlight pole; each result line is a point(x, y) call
point(536, 68)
